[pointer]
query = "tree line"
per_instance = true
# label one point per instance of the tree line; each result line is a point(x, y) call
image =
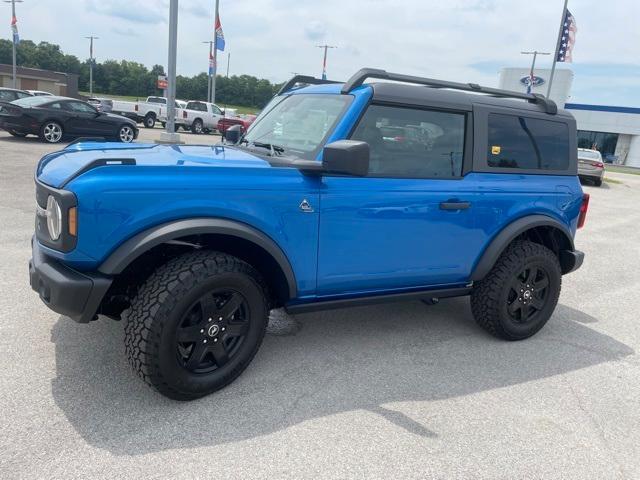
point(124, 77)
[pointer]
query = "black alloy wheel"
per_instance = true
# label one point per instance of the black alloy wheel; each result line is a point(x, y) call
point(528, 293)
point(212, 331)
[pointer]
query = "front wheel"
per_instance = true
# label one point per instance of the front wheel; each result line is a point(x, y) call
point(126, 134)
point(51, 132)
point(519, 294)
point(196, 324)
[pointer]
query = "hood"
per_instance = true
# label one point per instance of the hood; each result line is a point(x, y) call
point(58, 168)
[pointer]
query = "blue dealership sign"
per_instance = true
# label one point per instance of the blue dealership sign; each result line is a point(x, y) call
point(537, 81)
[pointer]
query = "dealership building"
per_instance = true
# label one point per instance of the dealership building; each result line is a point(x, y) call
point(57, 83)
point(613, 130)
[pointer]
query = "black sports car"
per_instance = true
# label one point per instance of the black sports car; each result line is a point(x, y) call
point(52, 118)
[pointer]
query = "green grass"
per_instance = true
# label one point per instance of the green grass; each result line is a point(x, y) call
point(129, 98)
point(623, 169)
point(611, 180)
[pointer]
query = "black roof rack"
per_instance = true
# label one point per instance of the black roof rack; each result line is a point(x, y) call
point(303, 79)
point(360, 76)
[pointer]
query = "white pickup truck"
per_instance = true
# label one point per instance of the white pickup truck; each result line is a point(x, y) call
point(201, 117)
point(148, 112)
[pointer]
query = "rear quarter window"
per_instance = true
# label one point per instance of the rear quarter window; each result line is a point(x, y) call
point(525, 143)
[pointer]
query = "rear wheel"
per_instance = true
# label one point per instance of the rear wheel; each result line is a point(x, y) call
point(150, 121)
point(51, 132)
point(196, 324)
point(519, 294)
point(17, 134)
point(196, 126)
point(598, 182)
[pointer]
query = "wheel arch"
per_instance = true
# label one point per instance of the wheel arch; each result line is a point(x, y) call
point(538, 228)
point(228, 236)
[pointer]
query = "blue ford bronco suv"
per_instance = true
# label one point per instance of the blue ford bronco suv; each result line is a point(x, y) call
point(339, 194)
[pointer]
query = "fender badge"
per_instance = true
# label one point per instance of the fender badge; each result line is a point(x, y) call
point(305, 206)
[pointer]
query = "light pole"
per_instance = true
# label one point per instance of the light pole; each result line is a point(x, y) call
point(324, 61)
point(211, 70)
point(170, 135)
point(535, 54)
point(91, 39)
point(15, 33)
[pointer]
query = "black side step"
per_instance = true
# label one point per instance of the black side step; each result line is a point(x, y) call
point(375, 299)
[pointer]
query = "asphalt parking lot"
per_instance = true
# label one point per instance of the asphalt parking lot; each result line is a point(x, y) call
point(391, 391)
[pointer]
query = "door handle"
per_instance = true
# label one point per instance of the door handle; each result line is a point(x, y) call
point(454, 205)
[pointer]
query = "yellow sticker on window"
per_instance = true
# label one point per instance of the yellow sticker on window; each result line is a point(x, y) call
point(495, 149)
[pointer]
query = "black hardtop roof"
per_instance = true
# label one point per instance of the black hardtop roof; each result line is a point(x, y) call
point(450, 99)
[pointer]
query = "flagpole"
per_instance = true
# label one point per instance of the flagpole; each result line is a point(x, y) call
point(13, 15)
point(209, 70)
point(215, 54)
point(91, 39)
point(555, 56)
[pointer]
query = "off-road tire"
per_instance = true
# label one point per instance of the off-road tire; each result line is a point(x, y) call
point(157, 311)
point(489, 298)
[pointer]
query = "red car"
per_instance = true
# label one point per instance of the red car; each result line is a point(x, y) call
point(245, 121)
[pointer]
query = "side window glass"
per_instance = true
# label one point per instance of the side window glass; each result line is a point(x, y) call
point(527, 143)
point(80, 107)
point(7, 95)
point(56, 105)
point(216, 110)
point(406, 142)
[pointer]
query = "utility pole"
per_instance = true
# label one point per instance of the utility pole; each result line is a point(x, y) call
point(228, 62)
point(211, 70)
point(324, 61)
point(535, 54)
point(170, 135)
point(13, 18)
point(91, 39)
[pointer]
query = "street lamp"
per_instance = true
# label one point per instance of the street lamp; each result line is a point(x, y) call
point(13, 16)
point(170, 135)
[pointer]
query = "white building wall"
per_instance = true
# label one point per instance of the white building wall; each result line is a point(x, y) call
point(510, 79)
point(633, 157)
point(622, 148)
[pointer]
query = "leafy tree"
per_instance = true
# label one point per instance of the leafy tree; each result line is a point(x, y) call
point(134, 79)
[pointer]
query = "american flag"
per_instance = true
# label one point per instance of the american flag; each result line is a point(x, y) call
point(219, 35)
point(567, 39)
point(14, 29)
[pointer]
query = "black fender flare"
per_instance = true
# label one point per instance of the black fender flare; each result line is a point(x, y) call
point(144, 241)
point(508, 234)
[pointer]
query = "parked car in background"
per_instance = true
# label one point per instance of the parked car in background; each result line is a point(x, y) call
point(11, 94)
point(226, 122)
point(39, 93)
point(201, 117)
point(179, 117)
point(53, 118)
point(590, 165)
point(101, 104)
point(147, 112)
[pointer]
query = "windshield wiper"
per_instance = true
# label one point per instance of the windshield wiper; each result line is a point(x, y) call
point(273, 148)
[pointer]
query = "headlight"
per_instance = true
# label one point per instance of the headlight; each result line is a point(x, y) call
point(54, 218)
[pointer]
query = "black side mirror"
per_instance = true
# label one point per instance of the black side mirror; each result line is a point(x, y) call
point(233, 134)
point(349, 157)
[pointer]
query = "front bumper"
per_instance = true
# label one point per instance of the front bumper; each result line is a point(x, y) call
point(64, 290)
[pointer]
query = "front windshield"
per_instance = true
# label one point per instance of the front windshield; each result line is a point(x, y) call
point(297, 124)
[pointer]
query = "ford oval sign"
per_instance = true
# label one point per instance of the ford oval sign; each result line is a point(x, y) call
point(537, 81)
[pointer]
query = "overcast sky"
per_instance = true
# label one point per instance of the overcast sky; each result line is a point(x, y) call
point(463, 40)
